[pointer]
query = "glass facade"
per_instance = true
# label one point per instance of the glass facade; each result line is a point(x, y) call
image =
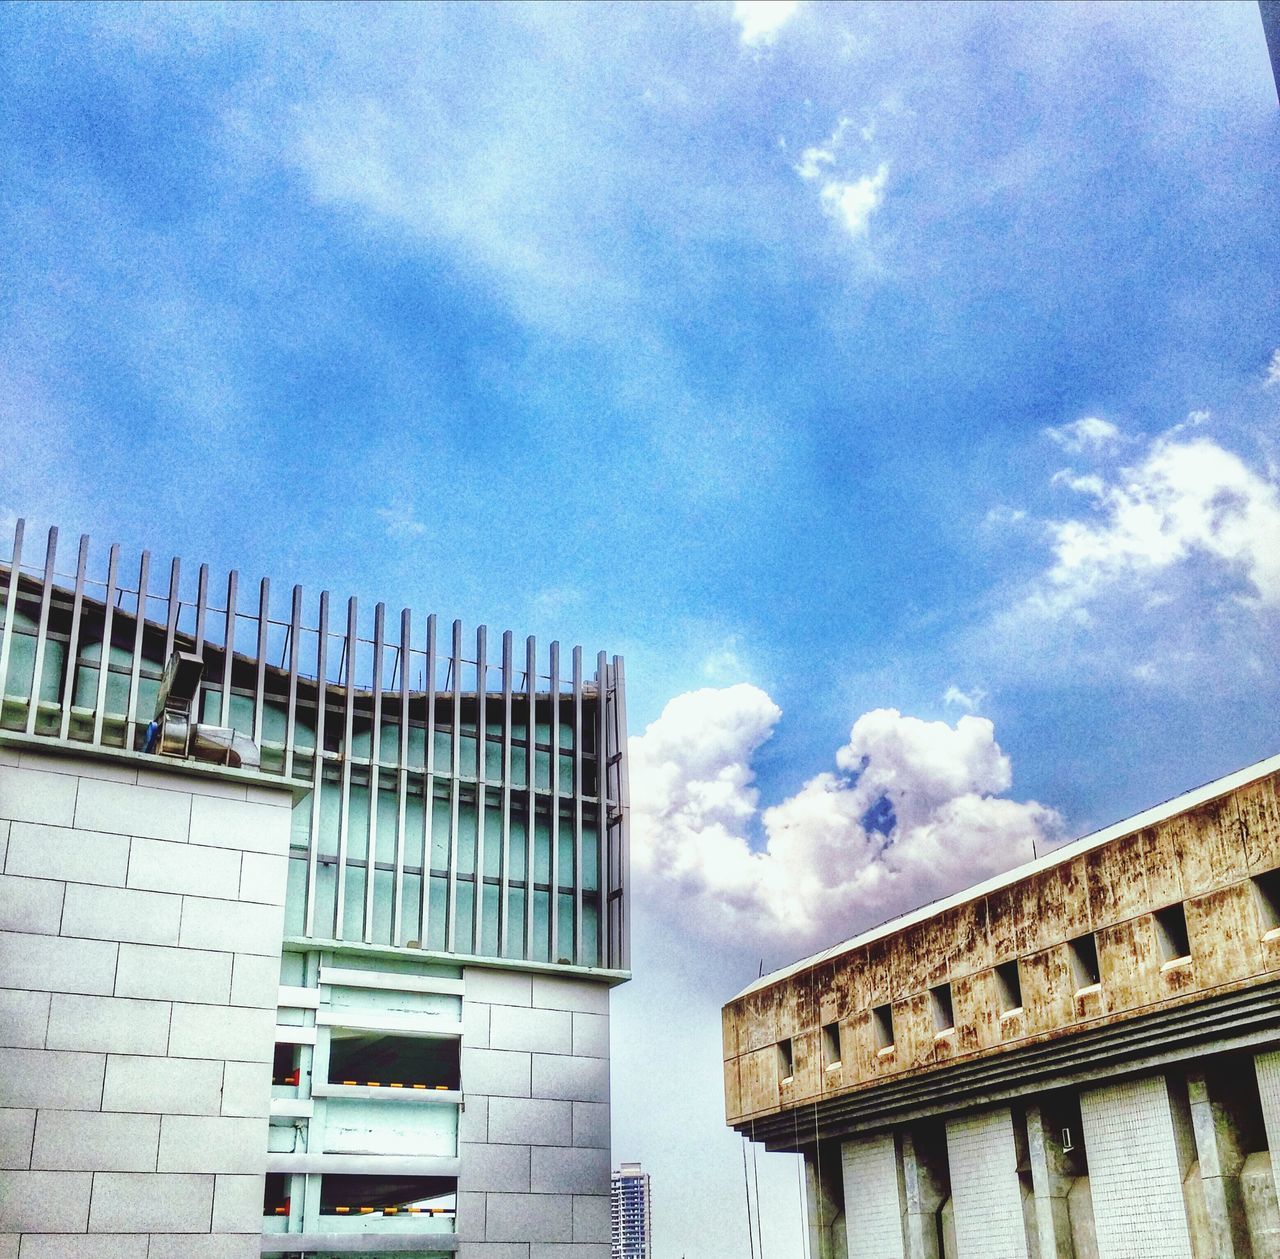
point(453, 796)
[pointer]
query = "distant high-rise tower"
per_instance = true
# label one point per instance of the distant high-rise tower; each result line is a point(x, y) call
point(631, 1228)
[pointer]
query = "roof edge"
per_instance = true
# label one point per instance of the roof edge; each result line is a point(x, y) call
point(1064, 852)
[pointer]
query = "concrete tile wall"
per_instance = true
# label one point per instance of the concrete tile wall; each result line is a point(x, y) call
point(139, 958)
point(534, 1138)
point(872, 1198)
point(1267, 1068)
point(985, 1194)
point(1134, 1175)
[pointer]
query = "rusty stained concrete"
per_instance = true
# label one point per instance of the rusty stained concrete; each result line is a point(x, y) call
point(1204, 857)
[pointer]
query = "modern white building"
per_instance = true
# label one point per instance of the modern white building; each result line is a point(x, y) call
point(308, 938)
point(632, 1213)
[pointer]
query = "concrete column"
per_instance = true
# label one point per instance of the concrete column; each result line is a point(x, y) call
point(824, 1191)
point(926, 1187)
point(985, 1193)
point(1135, 1170)
point(873, 1195)
point(1051, 1180)
point(1220, 1159)
point(1267, 1067)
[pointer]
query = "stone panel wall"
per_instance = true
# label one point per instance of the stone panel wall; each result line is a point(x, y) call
point(141, 912)
point(534, 1137)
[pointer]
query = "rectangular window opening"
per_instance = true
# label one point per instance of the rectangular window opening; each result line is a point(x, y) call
point(882, 1026)
point(940, 1003)
point(286, 1066)
point(1171, 932)
point(1266, 895)
point(388, 1195)
point(386, 1060)
point(1084, 962)
point(786, 1060)
point(1009, 985)
point(275, 1198)
point(831, 1045)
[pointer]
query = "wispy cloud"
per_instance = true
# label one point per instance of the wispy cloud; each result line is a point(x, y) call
point(970, 700)
point(852, 204)
point(401, 520)
point(1273, 371)
point(759, 21)
point(1086, 435)
point(913, 810)
point(849, 200)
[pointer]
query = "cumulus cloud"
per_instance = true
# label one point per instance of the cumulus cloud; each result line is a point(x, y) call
point(913, 810)
point(1088, 434)
point(759, 21)
point(1187, 498)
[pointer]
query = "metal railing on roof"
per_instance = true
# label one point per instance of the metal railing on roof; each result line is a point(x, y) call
point(459, 800)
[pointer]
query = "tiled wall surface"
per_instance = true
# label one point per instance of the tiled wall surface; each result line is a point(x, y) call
point(534, 1137)
point(872, 1198)
point(140, 925)
point(985, 1193)
point(1135, 1170)
point(1267, 1067)
point(1204, 858)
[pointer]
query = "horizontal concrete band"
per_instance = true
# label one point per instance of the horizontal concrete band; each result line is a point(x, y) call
point(389, 980)
point(370, 1092)
point(424, 1244)
point(388, 1021)
point(364, 1164)
point(1248, 1019)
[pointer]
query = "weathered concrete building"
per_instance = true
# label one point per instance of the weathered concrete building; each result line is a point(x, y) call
point(307, 939)
point(1079, 1058)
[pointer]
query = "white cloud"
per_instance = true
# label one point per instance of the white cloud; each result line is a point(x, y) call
point(1090, 483)
point(817, 156)
point(1273, 371)
point(1186, 499)
point(759, 21)
point(1089, 434)
point(401, 520)
point(1004, 516)
point(913, 811)
point(852, 204)
point(970, 701)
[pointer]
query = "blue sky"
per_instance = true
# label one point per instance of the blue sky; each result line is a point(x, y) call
point(729, 340)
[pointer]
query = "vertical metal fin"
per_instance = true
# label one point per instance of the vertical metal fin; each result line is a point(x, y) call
point(73, 641)
point(260, 679)
point(577, 879)
point(317, 765)
point(402, 781)
point(504, 866)
point(344, 766)
point(11, 607)
point(104, 658)
point(228, 650)
point(135, 661)
point(42, 630)
point(455, 784)
point(375, 751)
